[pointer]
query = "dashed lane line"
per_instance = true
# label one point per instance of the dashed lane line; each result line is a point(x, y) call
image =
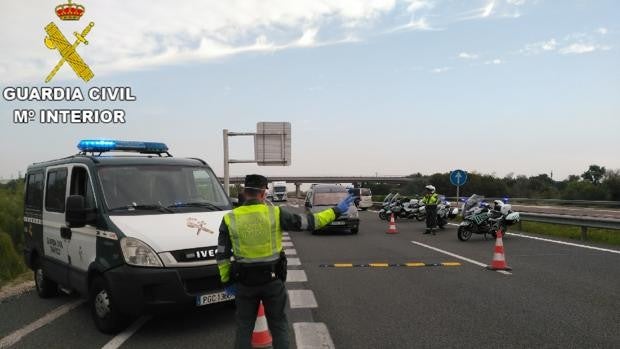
point(312, 335)
point(308, 335)
point(293, 261)
point(290, 251)
point(458, 256)
point(302, 299)
point(294, 275)
point(17, 335)
point(122, 337)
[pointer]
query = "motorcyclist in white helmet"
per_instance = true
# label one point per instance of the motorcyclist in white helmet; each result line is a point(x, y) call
point(430, 200)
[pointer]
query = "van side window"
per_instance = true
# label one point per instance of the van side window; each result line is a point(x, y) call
point(55, 190)
point(34, 191)
point(80, 185)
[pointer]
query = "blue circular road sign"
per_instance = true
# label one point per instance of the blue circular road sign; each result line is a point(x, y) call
point(458, 177)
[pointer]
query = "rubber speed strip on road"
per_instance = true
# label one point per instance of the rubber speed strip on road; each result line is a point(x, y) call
point(390, 265)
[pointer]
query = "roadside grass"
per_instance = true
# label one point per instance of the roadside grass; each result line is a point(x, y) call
point(608, 236)
point(21, 278)
point(11, 263)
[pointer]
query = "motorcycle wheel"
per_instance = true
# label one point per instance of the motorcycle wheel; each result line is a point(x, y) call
point(463, 234)
point(420, 218)
point(382, 216)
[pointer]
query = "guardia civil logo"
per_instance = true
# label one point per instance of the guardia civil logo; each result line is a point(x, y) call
point(55, 40)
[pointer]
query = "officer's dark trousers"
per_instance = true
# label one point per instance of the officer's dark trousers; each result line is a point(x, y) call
point(274, 299)
point(431, 216)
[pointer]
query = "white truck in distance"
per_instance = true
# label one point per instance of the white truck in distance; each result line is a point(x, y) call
point(278, 191)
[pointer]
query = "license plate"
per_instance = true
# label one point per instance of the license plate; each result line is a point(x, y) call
point(339, 223)
point(212, 298)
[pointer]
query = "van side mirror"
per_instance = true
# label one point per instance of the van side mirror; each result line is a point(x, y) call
point(76, 213)
point(235, 202)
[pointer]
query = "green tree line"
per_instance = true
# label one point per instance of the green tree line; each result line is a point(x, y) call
point(596, 183)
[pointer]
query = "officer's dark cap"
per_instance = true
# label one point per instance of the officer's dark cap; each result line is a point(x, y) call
point(255, 181)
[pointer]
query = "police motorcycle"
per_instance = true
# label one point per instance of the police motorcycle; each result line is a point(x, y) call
point(445, 211)
point(414, 209)
point(391, 204)
point(482, 218)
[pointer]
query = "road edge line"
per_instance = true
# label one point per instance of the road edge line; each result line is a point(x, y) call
point(563, 242)
point(122, 337)
point(46, 319)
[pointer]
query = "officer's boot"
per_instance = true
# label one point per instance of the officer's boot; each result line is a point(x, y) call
point(427, 231)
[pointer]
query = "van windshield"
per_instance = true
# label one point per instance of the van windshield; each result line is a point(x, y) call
point(161, 188)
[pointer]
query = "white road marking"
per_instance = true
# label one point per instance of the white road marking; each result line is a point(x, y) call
point(122, 337)
point(286, 238)
point(564, 243)
point(17, 335)
point(458, 256)
point(287, 244)
point(312, 335)
point(296, 276)
point(558, 242)
point(293, 261)
point(290, 251)
point(302, 299)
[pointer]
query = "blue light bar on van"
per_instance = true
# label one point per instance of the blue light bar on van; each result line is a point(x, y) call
point(105, 145)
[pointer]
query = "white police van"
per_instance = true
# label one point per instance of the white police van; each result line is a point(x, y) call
point(135, 232)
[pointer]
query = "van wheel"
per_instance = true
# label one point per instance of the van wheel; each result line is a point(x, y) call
point(46, 288)
point(355, 230)
point(107, 318)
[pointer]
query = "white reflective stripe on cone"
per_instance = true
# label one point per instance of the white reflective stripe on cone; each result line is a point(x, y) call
point(498, 257)
point(261, 324)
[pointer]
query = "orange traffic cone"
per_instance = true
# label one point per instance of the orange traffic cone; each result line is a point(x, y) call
point(499, 259)
point(392, 226)
point(261, 338)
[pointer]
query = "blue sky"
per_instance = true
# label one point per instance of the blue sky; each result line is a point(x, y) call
point(387, 87)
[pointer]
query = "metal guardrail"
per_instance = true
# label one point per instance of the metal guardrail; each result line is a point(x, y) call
point(584, 222)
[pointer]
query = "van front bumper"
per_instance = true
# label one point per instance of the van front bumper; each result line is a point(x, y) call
point(139, 290)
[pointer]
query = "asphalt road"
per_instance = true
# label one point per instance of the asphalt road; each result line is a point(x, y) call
point(557, 296)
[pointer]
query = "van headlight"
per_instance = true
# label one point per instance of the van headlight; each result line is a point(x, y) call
point(139, 254)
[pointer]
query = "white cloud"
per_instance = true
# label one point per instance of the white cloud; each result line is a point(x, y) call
point(440, 70)
point(420, 24)
point(495, 61)
point(574, 43)
point(602, 31)
point(539, 47)
point(465, 55)
point(417, 5)
point(151, 33)
point(580, 48)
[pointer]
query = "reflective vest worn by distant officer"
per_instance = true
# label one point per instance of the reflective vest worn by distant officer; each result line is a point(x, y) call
point(430, 199)
point(254, 231)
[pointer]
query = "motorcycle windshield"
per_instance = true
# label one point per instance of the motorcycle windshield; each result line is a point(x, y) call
point(388, 198)
point(473, 201)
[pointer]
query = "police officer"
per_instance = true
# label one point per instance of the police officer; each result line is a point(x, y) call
point(430, 200)
point(252, 234)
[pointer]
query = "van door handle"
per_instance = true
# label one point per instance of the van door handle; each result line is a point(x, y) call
point(65, 233)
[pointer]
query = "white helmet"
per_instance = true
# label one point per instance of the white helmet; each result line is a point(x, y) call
point(497, 205)
point(430, 188)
